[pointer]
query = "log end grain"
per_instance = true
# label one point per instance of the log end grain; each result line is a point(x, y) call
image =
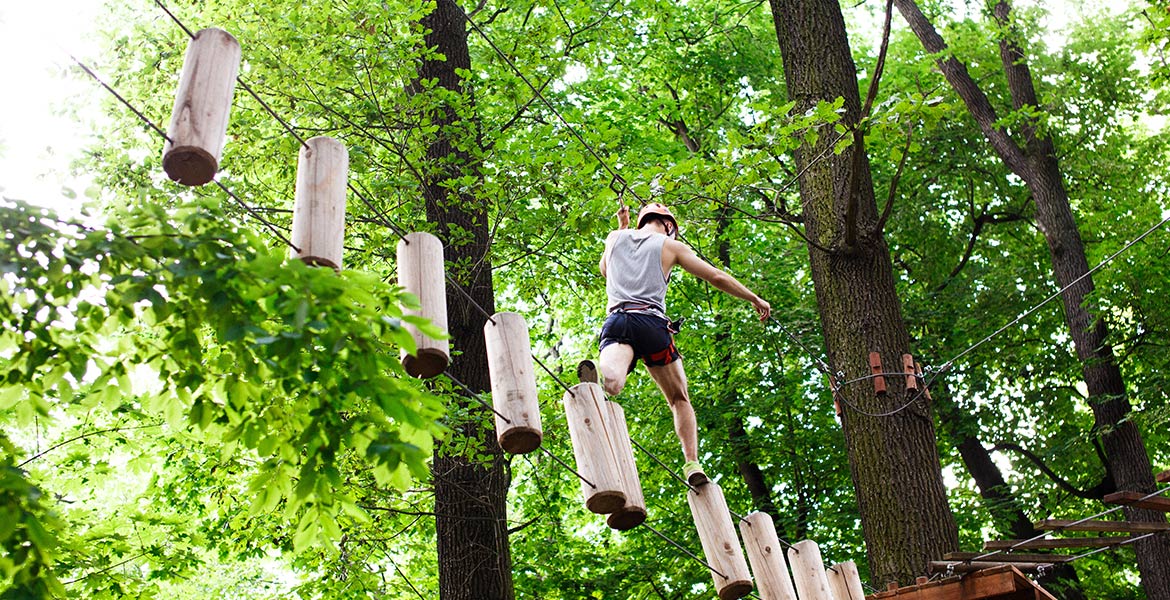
point(190, 165)
point(735, 589)
point(520, 440)
point(426, 364)
point(626, 518)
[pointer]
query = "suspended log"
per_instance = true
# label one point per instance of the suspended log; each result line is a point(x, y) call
point(199, 118)
point(1103, 526)
point(808, 571)
point(766, 557)
point(318, 226)
point(845, 581)
point(585, 412)
point(633, 511)
point(720, 544)
point(1138, 500)
point(513, 380)
point(420, 271)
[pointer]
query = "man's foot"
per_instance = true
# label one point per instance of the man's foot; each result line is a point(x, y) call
point(587, 372)
point(693, 471)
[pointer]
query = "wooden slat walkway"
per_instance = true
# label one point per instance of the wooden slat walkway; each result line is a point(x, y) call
point(1005, 557)
point(1135, 499)
point(1116, 526)
point(1052, 544)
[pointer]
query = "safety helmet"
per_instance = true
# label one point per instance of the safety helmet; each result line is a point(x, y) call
point(656, 208)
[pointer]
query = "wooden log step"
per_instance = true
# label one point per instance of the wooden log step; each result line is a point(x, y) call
point(1163, 477)
point(1004, 557)
point(1117, 526)
point(1052, 544)
point(940, 566)
point(1134, 499)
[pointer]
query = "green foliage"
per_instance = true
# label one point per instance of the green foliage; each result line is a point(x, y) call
point(290, 367)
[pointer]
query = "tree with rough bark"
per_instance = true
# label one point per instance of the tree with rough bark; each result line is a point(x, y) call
point(1031, 155)
point(896, 474)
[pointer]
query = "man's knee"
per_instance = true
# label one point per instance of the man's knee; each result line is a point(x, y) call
point(613, 385)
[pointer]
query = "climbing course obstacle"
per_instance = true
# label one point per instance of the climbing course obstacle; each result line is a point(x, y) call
point(514, 398)
point(593, 447)
point(808, 571)
point(199, 119)
point(720, 543)
point(318, 225)
point(845, 581)
point(766, 557)
point(420, 271)
point(633, 512)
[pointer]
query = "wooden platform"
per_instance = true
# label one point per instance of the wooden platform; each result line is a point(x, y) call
point(1163, 477)
point(1138, 500)
point(1055, 544)
point(1007, 557)
point(999, 583)
point(1116, 526)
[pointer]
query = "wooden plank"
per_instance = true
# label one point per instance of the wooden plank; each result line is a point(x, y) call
point(1052, 544)
point(1117, 526)
point(1163, 477)
point(1135, 499)
point(1006, 557)
point(942, 566)
point(1000, 583)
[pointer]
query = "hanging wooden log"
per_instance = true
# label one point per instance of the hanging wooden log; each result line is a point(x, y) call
point(318, 225)
point(845, 582)
point(420, 271)
point(199, 118)
point(513, 380)
point(633, 512)
point(766, 557)
point(808, 571)
point(720, 544)
point(585, 412)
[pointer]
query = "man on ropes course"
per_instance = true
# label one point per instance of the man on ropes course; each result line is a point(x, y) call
point(636, 266)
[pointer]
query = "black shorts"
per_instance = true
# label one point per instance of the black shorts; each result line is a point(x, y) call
point(649, 336)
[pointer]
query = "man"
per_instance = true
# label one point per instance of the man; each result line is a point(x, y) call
point(637, 265)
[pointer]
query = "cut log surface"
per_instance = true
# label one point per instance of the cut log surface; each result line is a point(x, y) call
point(585, 412)
point(766, 557)
point(808, 571)
point(845, 581)
point(421, 272)
point(1117, 526)
point(1138, 500)
point(318, 224)
point(1053, 544)
point(720, 543)
point(1007, 557)
point(513, 380)
point(203, 101)
point(633, 511)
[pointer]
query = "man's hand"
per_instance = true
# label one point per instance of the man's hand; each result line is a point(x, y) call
point(623, 215)
point(762, 308)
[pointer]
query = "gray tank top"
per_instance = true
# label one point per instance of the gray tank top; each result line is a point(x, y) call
point(634, 279)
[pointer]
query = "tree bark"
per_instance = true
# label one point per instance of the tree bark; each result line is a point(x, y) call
point(471, 522)
point(893, 459)
point(1037, 165)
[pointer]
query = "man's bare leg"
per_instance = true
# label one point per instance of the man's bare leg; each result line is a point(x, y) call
point(615, 366)
point(672, 381)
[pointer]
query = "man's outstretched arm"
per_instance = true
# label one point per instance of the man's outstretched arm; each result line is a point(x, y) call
point(686, 258)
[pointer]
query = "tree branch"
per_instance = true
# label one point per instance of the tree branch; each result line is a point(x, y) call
point(1094, 493)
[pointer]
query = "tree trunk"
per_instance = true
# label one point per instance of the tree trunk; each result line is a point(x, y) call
point(471, 516)
point(1037, 165)
point(893, 459)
